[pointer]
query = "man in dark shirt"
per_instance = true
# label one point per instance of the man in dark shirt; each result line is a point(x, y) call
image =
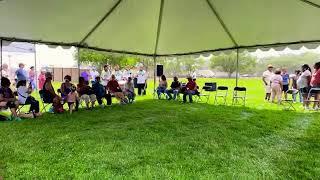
point(175, 88)
point(191, 89)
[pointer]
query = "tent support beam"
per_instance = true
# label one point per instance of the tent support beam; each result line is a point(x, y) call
point(35, 65)
point(256, 46)
point(222, 23)
point(237, 71)
point(156, 46)
point(1, 55)
point(101, 21)
point(311, 3)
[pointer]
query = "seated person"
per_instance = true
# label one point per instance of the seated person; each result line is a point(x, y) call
point(85, 93)
point(50, 96)
point(65, 89)
point(24, 97)
point(162, 85)
point(72, 98)
point(100, 92)
point(129, 90)
point(191, 89)
point(7, 99)
point(175, 88)
point(114, 88)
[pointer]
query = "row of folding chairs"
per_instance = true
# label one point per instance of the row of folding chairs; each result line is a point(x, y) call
point(239, 94)
point(288, 103)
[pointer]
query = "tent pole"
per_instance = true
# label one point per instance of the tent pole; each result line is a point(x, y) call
point(154, 75)
point(35, 65)
point(237, 71)
point(78, 60)
point(1, 55)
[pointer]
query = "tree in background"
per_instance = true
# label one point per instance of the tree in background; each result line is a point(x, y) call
point(99, 59)
point(228, 63)
point(290, 61)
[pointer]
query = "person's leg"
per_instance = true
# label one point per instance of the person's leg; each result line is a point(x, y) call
point(158, 92)
point(273, 94)
point(109, 99)
point(185, 97)
point(93, 99)
point(190, 93)
point(139, 89)
point(175, 93)
point(99, 99)
point(279, 94)
point(168, 92)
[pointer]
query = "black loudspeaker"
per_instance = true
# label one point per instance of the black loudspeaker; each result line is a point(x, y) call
point(159, 70)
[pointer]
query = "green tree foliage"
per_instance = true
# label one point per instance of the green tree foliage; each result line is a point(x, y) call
point(228, 63)
point(290, 61)
point(99, 59)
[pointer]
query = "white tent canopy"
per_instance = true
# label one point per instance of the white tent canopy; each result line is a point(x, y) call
point(162, 27)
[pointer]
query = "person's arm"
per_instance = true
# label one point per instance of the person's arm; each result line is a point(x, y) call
point(264, 80)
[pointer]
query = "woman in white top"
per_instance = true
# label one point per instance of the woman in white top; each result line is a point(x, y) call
point(105, 75)
point(303, 83)
point(141, 81)
point(25, 98)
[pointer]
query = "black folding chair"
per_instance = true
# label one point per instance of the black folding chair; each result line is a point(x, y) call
point(239, 93)
point(221, 93)
point(209, 88)
point(287, 104)
point(312, 94)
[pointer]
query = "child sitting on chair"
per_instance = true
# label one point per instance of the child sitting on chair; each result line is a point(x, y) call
point(72, 98)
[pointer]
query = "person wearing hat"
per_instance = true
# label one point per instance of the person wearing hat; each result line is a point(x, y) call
point(191, 89)
point(266, 77)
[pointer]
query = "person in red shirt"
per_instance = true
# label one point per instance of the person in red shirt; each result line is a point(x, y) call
point(315, 82)
point(191, 89)
point(114, 88)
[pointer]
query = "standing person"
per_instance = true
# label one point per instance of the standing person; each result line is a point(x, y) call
point(32, 78)
point(175, 88)
point(21, 73)
point(86, 93)
point(5, 70)
point(129, 90)
point(191, 89)
point(141, 81)
point(315, 83)
point(41, 79)
point(86, 76)
point(266, 77)
point(276, 86)
point(100, 92)
point(303, 84)
point(117, 73)
point(294, 86)
point(93, 74)
point(114, 88)
point(73, 99)
point(285, 82)
point(105, 75)
point(127, 73)
point(7, 99)
point(162, 85)
point(24, 97)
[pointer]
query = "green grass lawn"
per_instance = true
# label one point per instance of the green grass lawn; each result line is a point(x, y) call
point(162, 139)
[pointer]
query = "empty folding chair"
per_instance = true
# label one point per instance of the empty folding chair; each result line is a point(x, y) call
point(221, 93)
point(288, 103)
point(239, 93)
point(206, 90)
point(312, 93)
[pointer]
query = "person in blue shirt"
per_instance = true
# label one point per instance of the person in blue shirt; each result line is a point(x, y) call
point(21, 73)
point(285, 82)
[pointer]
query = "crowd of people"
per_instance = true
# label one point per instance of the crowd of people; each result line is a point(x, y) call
point(278, 83)
point(188, 90)
point(92, 87)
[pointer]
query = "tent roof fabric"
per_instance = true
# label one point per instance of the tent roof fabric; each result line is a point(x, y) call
point(162, 27)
